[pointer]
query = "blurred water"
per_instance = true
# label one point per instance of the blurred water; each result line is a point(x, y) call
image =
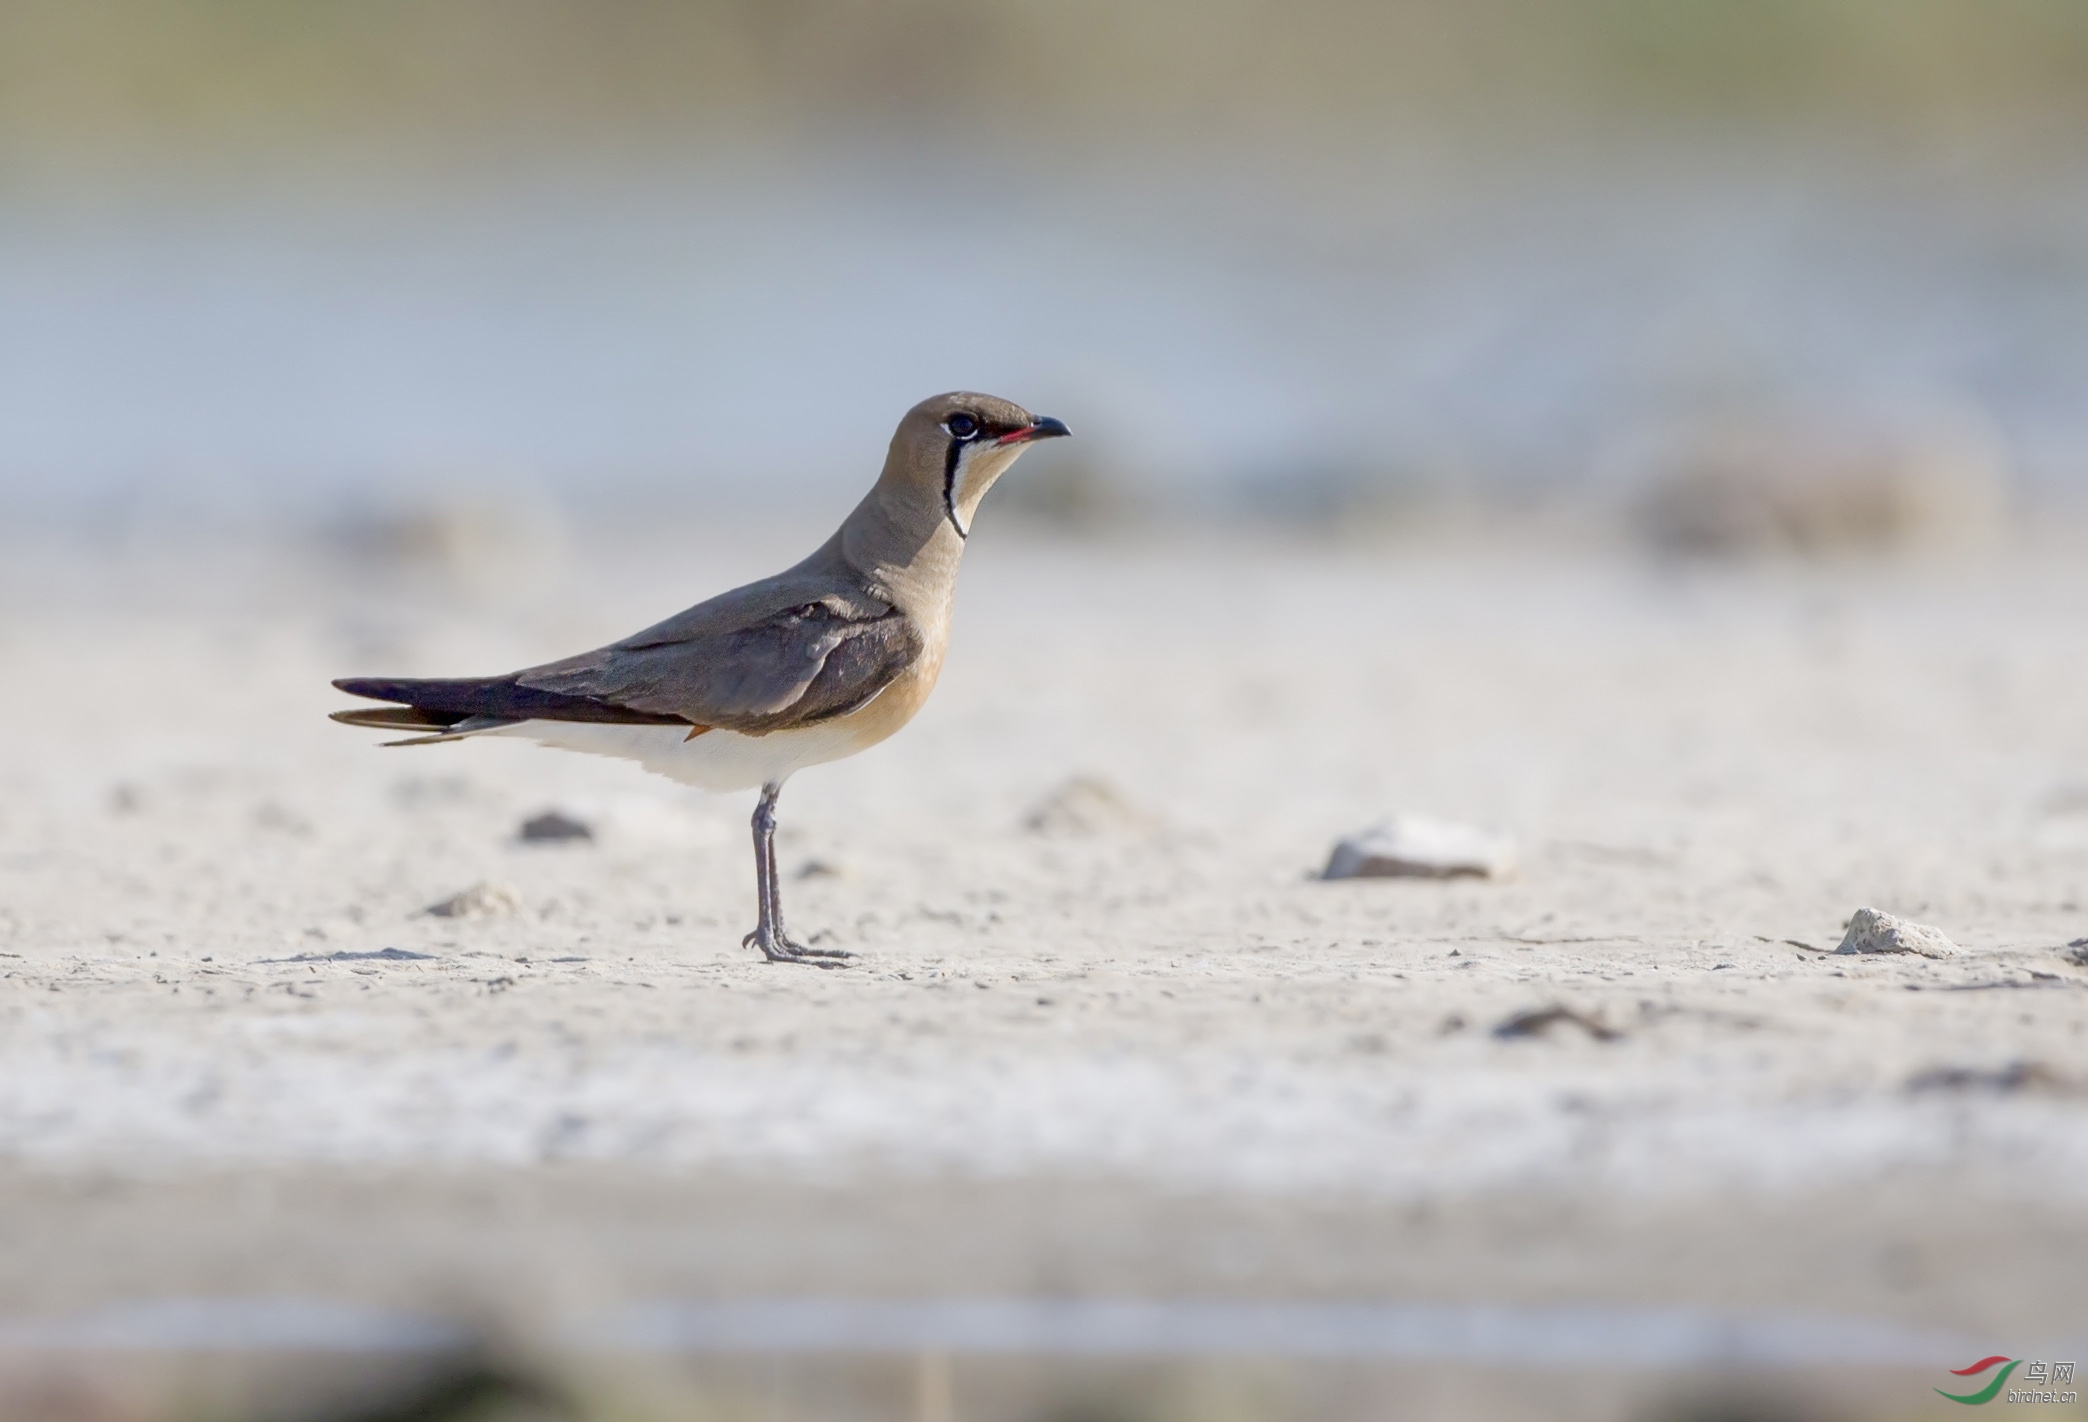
point(1210, 328)
point(1570, 1335)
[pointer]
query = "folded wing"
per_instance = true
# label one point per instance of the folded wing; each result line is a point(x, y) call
point(796, 666)
point(791, 666)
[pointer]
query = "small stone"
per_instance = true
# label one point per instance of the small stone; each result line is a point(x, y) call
point(482, 900)
point(1086, 806)
point(821, 869)
point(2018, 1076)
point(1873, 932)
point(1415, 847)
point(551, 827)
point(2076, 952)
point(1539, 1021)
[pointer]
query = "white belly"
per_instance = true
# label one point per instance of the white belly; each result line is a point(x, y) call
point(715, 760)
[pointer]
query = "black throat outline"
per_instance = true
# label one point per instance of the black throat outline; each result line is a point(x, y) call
point(951, 460)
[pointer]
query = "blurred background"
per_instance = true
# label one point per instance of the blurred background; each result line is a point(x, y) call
point(1582, 355)
point(1284, 260)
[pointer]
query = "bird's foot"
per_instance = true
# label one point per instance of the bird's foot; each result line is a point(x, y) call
point(804, 950)
point(779, 947)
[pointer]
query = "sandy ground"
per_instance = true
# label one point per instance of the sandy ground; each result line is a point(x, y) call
point(1147, 1054)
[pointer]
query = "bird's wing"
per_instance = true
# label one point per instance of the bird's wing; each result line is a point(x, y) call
point(757, 671)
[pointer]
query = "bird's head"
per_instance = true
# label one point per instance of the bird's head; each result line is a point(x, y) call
point(950, 448)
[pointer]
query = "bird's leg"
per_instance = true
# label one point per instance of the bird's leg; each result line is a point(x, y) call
point(766, 935)
point(769, 934)
point(775, 891)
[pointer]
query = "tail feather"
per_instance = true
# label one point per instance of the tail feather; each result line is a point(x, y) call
point(412, 718)
point(443, 705)
point(389, 718)
point(469, 726)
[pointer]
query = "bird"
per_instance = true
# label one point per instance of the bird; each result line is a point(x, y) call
point(816, 663)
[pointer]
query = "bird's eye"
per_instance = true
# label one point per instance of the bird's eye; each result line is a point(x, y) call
point(961, 425)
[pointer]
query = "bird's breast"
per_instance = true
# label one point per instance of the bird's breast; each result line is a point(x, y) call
point(892, 708)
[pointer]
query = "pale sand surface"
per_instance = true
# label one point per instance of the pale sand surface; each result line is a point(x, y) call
point(1155, 1058)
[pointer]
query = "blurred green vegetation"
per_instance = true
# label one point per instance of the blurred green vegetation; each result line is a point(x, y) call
point(204, 77)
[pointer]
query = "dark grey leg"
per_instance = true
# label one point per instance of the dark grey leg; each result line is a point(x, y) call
point(769, 934)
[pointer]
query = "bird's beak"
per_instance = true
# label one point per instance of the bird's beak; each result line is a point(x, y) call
point(1043, 427)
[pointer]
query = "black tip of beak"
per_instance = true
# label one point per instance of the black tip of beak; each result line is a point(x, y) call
point(1043, 427)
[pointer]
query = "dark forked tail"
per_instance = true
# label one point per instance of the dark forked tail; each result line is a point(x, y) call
point(463, 706)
